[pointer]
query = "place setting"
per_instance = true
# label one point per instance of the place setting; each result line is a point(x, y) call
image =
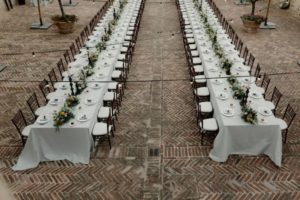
point(264, 111)
point(228, 112)
point(94, 85)
point(222, 96)
point(255, 95)
point(42, 119)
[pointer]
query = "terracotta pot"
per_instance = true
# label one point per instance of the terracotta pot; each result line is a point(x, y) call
point(251, 26)
point(64, 27)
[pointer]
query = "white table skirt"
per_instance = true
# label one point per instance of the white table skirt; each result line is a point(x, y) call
point(48, 144)
point(235, 136)
point(73, 142)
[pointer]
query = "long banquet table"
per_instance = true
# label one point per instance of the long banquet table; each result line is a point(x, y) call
point(235, 135)
point(73, 140)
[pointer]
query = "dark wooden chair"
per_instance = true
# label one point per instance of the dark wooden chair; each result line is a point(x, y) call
point(45, 88)
point(240, 47)
point(265, 83)
point(208, 127)
point(83, 37)
point(250, 62)
point(78, 43)
point(73, 50)
point(87, 31)
point(61, 67)
point(21, 125)
point(52, 77)
point(33, 104)
point(67, 57)
point(235, 40)
point(245, 54)
point(276, 96)
point(257, 72)
point(286, 121)
point(103, 131)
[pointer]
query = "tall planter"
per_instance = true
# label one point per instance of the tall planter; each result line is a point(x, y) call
point(21, 2)
point(250, 26)
point(64, 27)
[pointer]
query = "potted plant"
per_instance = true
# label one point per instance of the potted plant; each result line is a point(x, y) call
point(64, 22)
point(252, 21)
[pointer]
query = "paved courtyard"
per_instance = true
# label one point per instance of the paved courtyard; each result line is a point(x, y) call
point(157, 115)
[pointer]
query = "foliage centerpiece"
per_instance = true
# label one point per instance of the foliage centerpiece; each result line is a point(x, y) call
point(249, 115)
point(72, 101)
point(238, 92)
point(62, 116)
point(88, 70)
point(93, 57)
point(81, 83)
point(226, 65)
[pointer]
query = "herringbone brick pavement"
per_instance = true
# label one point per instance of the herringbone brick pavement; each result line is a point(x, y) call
point(156, 151)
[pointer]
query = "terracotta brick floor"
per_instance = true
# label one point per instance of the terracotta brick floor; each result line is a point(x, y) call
point(156, 116)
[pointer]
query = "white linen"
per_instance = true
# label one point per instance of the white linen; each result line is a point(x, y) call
point(73, 141)
point(235, 136)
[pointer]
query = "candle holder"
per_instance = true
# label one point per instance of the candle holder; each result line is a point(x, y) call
point(88, 54)
point(71, 85)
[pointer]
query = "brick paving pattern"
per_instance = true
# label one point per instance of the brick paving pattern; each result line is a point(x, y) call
point(156, 150)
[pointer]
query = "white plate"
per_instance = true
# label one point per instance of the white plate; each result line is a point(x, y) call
point(95, 86)
point(229, 112)
point(82, 118)
point(63, 86)
point(89, 101)
point(213, 69)
point(240, 68)
point(218, 81)
point(222, 96)
point(255, 95)
point(248, 80)
point(100, 75)
point(54, 101)
point(42, 120)
point(265, 111)
point(209, 60)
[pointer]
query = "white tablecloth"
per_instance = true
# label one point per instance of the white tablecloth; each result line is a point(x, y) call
point(74, 142)
point(235, 136)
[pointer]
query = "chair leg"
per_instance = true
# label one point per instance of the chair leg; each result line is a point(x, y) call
point(109, 141)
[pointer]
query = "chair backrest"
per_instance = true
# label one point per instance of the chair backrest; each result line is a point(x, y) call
point(265, 82)
point(276, 96)
point(33, 103)
point(19, 121)
point(73, 50)
point(45, 88)
point(289, 115)
point(91, 24)
point(245, 54)
point(52, 77)
point(232, 33)
point(60, 67)
point(251, 61)
point(82, 35)
point(257, 72)
point(67, 56)
point(235, 40)
point(87, 31)
point(78, 43)
point(240, 46)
